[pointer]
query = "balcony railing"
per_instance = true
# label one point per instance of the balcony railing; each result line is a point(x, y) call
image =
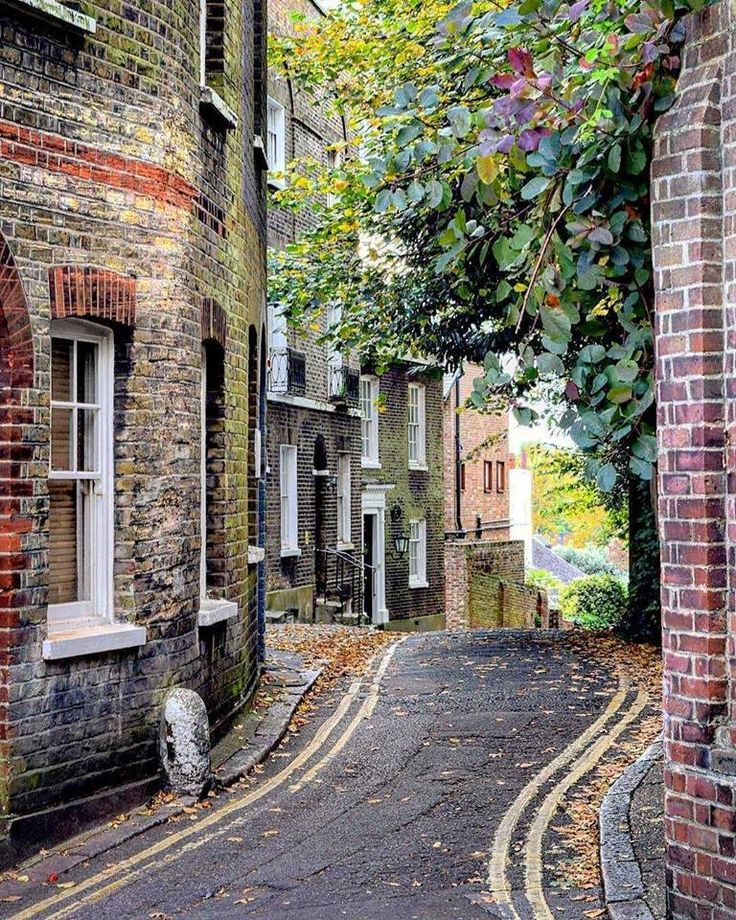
point(287, 371)
point(343, 384)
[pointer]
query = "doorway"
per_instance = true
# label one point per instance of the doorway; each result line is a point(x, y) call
point(369, 556)
point(374, 570)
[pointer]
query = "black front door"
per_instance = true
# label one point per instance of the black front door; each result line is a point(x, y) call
point(368, 556)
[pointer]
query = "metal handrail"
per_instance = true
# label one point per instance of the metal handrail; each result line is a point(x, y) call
point(346, 557)
point(479, 528)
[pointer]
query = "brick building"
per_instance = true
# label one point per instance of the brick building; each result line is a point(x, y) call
point(314, 528)
point(477, 463)
point(693, 182)
point(132, 242)
point(402, 496)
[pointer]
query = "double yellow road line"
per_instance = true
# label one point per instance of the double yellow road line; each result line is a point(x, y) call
point(580, 758)
point(202, 832)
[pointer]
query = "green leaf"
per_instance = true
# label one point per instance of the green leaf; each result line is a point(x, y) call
point(556, 324)
point(619, 394)
point(435, 193)
point(641, 468)
point(606, 477)
point(614, 159)
point(408, 133)
point(535, 187)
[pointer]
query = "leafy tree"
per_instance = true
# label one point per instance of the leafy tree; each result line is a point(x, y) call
point(499, 212)
point(565, 502)
point(590, 559)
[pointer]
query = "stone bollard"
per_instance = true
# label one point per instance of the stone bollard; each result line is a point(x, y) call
point(185, 742)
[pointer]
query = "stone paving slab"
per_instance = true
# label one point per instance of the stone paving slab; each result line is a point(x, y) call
point(632, 841)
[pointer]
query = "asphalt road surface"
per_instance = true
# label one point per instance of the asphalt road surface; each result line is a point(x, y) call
point(412, 795)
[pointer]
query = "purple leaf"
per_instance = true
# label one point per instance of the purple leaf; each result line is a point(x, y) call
point(577, 10)
point(649, 53)
point(505, 144)
point(529, 140)
point(503, 80)
point(521, 61)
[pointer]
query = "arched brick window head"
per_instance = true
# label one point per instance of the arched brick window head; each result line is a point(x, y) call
point(85, 291)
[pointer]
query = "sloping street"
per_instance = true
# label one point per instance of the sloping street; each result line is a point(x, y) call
point(424, 791)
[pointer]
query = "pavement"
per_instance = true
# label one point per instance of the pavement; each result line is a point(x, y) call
point(426, 790)
point(632, 841)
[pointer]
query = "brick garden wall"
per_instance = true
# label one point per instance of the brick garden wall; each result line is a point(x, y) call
point(483, 438)
point(121, 201)
point(484, 586)
point(694, 230)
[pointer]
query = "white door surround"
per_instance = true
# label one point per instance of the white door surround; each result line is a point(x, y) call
point(373, 502)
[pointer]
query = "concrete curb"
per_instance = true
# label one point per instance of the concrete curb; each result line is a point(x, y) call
point(623, 886)
point(46, 867)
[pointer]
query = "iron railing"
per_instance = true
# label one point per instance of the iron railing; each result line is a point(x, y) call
point(287, 371)
point(343, 384)
point(338, 578)
point(480, 528)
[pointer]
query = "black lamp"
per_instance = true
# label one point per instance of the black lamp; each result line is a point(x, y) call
point(401, 544)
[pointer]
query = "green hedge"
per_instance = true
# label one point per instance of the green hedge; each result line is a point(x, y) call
point(595, 602)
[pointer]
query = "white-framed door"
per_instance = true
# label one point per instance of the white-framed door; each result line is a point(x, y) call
point(373, 501)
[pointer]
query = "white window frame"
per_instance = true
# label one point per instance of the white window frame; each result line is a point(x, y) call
point(335, 159)
point(418, 553)
point(417, 426)
point(99, 539)
point(289, 506)
point(277, 156)
point(344, 501)
point(335, 360)
point(369, 392)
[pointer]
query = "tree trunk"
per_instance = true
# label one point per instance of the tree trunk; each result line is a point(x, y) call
point(643, 622)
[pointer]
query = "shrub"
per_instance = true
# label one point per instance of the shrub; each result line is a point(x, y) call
point(541, 578)
point(595, 602)
point(591, 560)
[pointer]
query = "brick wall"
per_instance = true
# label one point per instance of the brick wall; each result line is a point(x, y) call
point(484, 587)
point(310, 130)
point(120, 201)
point(483, 439)
point(414, 494)
point(693, 182)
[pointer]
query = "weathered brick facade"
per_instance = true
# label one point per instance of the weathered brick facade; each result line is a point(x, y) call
point(410, 494)
point(308, 413)
point(125, 203)
point(693, 184)
point(485, 462)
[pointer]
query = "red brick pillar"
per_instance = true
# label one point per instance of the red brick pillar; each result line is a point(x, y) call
point(16, 486)
point(694, 337)
point(456, 586)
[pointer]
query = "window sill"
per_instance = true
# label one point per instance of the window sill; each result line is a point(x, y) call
point(370, 464)
point(74, 640)
point(214, 610)
point(56, 13)
point(215, 106)
point(345, 547)
point(418, 467)
point(418, 584)
point(288, 551)
point(278, 184)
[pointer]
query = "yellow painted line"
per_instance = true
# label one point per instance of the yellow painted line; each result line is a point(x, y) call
point(128, 870)
point(534, 868)
point(365, 712)
point(496, 880)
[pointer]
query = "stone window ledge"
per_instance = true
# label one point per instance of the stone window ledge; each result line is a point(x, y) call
point(256, 554)
point(418, 584)
point(368, 464)
point(214, 610)
point(56, 13)
point(213, 105)
point(418, 467)
point(74, 639)
point(288, 551)
point(345, 547)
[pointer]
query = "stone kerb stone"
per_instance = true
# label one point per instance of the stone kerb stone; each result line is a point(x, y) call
point(185, 742)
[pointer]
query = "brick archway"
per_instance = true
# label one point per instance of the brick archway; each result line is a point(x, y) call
point(16, 377)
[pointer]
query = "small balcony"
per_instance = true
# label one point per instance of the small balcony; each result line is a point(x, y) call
point(287, 371)
point(343, 385)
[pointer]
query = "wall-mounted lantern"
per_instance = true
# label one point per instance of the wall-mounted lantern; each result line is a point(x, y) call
point(401, 544)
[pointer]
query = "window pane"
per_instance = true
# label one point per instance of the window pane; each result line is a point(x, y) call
point(62, 542)
point(86, 368)
point(61, 439)
point(87, 440)
point(61, 369)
